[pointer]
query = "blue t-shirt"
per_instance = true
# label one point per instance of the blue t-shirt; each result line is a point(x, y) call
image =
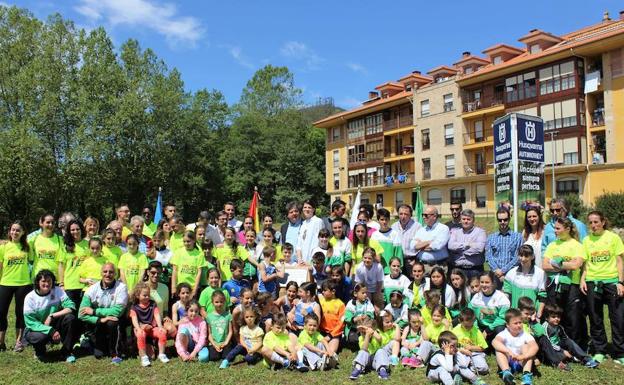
point(267, 287)
point(234, 287)
point(299, 317)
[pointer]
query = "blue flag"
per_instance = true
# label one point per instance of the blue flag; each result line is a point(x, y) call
point(158, 209)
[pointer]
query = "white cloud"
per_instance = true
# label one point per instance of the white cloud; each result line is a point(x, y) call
point(237, 54)
point(4, 4)
point(299, 51)
point(162, 18)
point(349, 102)
point(356, 67)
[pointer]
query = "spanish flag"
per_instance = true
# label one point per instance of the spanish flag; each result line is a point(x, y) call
point(253, 210)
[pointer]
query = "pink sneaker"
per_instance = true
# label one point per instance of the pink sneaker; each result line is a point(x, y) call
point(406, 361)
point(417, 363)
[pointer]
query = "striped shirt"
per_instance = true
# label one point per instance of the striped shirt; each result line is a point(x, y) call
point(501, 250)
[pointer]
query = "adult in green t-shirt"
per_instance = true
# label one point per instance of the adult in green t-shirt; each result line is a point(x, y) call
point(132, 265)
point(563, 261)
point(14, 281)
point(187, 262)
point(71, 257)
point(603, 282)
point(46, 246)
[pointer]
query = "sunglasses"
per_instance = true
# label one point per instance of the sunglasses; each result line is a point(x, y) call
point(503, 219)
point(147, 212)
point(453, 209)
point(555, 210)
point(427, 215)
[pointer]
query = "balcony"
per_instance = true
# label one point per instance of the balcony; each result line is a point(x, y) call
point(478, 138)
point(478, 169)
point(405, 150)
point(598, 117)
point(521, 94)
point(400, 122)
point(475, 104)
point(399, 178)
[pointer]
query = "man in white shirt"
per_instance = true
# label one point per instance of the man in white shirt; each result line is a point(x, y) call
point(308, 233)
point(430, 241)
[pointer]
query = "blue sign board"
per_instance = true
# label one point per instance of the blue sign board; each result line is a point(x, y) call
point(530, 139)
point(502, 139)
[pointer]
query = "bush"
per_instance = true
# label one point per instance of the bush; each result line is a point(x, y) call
point(612, 206)
point(576, 206)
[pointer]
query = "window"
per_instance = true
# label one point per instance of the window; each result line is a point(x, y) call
point(356, 178)
point(617, 62)
point(434, 197)
point(356, 153)
point(374, 124)
point(374, 150)
point(425, 139)
point(535, 48)
point(570, 158)
point(450, 166)
point(478, 131)
point(458, 195)
point(336, 133)
point(336, 181)
point(426, 168)
point(497, 60)
point(356, 129)
point(479, 166)
point(481, 195)
point(424, 108)
point(559, 114)
point(567, 186)
point(398, 198)
point(557, 78)
point(468, 70)
point(520, 87)
point(449, 134)
point(448, 102)
point(336, 158)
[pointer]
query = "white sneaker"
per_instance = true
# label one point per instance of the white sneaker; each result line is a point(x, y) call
point(145, 361)
point(163, 358)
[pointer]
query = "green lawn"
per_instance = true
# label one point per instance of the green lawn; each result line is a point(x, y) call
point(21, 368)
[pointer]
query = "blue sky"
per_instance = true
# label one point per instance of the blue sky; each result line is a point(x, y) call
point(339, 49)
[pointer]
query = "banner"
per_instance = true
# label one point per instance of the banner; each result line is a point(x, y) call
point(253, 210)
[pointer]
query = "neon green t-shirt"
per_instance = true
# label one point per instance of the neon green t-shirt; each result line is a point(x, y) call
point(566, 250)
point(205, 298)
point(149, 230)
point(188, 264)
point(272, 340)
point(469, 337)
point(305, 338)
point(14, 261)
point(91, 268)
point(71, 262)
point(112, 254)
point(433, 332)
point(176, 241)
point(359, 250)
point(45, 252)
point(601, 254)
point(224, 256)
point(133, 266)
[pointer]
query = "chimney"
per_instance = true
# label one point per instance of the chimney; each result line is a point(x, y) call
point(621, 15)
point(605, 16)
point(533, 30)
point(465, 53)
point(372, 94)
point(418, 72)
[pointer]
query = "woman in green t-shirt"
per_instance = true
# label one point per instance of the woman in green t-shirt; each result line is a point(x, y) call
point(603, 282)
point(14, 281)
point(71, 257)
point(46, 247)
point(563, 260)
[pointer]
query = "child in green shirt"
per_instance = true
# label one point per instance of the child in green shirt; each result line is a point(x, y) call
point(220, 325)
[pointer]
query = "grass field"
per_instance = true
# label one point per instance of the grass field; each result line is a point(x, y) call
point(21, 368)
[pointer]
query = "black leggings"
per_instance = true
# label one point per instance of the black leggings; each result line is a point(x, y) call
point(6, 296)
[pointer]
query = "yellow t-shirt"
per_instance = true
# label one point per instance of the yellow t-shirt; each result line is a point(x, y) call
point(176, 241)
point(91, 268)
point(71, 264)
point(225, 255)
point(112, 254)
point(433, 332)
point(566, 250)
point(14, 261)
point(601, 254)
point(46, 250)
point(133, 266)
point(469, 337)
point(359, 250)
point(188, 263)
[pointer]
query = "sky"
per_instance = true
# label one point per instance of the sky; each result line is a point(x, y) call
point(338, 49)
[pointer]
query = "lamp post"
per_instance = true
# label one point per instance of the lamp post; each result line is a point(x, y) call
point(554, 154)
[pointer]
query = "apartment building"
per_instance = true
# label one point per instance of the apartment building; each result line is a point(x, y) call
point(436, 129)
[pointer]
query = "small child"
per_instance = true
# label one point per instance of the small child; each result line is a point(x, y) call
point(332, 322)
point(432, 299)
point(205, 298)
point(289, 300)
point(237, 282)
point(279, 347)
point(268, 274)
point(462, 294)
point(341, 246)
point(191, 336)
point(179, 309)
point(207, 247)
point(443, 366)
point(475, 286)
point(316, 271)
point(267, 310)
point(395, 280)
point(439, 323)
point(356, 311)
point(220, 325)
point(246, 300)
point(147, 322)
point(250, 339)
point(398, 308)
point(379, 348)
point(287, 253)
point(472, 344)
point(323, 245)
point(370, 272)
point(305, 306)
point(344, 285)
point(313, 347)
point(163, 255)
point(415, 348)
point(490, 306)
point(515, 349)
point(562, 348)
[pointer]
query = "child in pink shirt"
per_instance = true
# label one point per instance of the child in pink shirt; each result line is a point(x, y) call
point(191, 339)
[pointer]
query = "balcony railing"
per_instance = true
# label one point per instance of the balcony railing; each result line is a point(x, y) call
point(485, 101)
point(399, 178)
point(477, 136)
point(481, 168)
point(405, 150)
point(520, 93)
point(598, 118)
point(402, 121)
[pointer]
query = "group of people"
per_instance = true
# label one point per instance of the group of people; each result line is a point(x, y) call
point(437, 295)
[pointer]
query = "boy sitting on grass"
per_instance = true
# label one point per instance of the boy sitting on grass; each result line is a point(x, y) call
point(515, 349)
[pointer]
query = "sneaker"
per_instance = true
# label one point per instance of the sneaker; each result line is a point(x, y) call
point(355, 373)
point(564, 366)
point(619, 361)
point(332, 363)
point(3, 347)
point(145, 361)
point(527, 379)
point(116, 360)
point(591, 363)
point(598, 358)
point(417, 363)
point(70, 359)
point(457, 379)
point(406, 361)
point(394, 361)
point(286, 364)
point(322, 364)
point(163, 358)
point(382, 373)
point(224, 364)
point(19, 347)
point(301, 368)
point(508, 378)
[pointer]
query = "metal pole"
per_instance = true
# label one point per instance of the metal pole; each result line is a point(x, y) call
point(554, 154)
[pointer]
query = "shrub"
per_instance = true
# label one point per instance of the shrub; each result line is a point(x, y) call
point(612, 205)
point(576, 206)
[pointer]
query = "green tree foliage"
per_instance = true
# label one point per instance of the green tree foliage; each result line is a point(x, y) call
point(85, 125)
point(612, 206)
